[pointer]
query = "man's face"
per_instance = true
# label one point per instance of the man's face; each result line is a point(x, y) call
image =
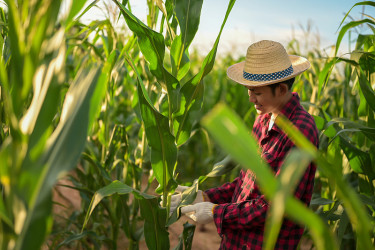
point(264, 100)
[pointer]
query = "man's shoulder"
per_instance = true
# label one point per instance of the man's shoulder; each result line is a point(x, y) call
point(306, 124)
point(302, 116)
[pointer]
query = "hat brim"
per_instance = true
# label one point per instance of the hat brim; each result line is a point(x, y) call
point(235, 72)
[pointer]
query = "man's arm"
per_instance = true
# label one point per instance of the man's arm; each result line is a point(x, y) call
point(224, 193)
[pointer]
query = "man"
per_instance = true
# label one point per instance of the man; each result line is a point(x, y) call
point(239, 209)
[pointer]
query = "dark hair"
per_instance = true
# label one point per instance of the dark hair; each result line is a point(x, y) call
point(288, 82)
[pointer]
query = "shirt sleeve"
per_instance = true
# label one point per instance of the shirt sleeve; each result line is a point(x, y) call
point(243, 215)
point(224, 193)
point(252, 213)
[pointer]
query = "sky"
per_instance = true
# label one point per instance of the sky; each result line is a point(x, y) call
point(278, 20)
point(254, 20)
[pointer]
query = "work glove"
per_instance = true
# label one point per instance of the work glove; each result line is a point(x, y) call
point(176, 198)
point(201, 213)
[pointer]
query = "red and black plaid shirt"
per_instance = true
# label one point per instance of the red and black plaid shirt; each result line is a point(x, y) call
point(241, 211)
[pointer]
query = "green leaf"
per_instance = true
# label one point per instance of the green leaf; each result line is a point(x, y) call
point(161, 141)
point(116, 187)
point(320, 202)
point(152, 46)
point(70, 24)
point(367, 61)
point(37, 122)
point(5, 182)
point(221, 168)
point(365, 3)
point(351, 126)
point(113, 188)
point(353, 206)
point(64, 149)
point(186, 238)
point(26, 40)
point(359, 161)
point(75, 9)
point(118, 138)
point(75, 237)
point(370, 201)
point(188, 14)
point(154, 228)
point(179, 59)
point(156, 235)
point(348, 26)
point(363, 106)
point(367, 91)
point(325, 74)
point(192, 92)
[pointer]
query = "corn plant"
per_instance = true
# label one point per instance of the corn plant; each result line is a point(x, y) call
point(158, 120)
point(46, 117)
point(348, 130)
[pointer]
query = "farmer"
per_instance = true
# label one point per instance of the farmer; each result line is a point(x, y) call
point(239, 209)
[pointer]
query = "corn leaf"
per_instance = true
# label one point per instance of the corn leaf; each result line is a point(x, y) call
point(5, 182)
point(46, 98)
point(348, 26)
point(364, 3)
point(221, 168)
point(188, 15)
point(179, 58)
point(64, 149)
point(351, 126)
point(115, 187)
point(75, 9)
point(359, 160)
point(186, 238)
point(367, 91)
point(160, 140)
point(156, 235)
point(155, 231)
point(152, 46)
point(325, 74)
point(192, 91)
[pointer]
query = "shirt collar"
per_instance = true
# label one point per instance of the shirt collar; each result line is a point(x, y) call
point(287, 110)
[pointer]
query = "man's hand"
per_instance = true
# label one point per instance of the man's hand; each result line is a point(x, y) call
point(201, 213)
point(176, 198)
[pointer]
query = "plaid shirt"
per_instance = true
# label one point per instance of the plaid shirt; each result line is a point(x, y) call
point(241, 211)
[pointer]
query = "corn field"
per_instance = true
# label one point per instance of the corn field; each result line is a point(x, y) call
point(125, 114)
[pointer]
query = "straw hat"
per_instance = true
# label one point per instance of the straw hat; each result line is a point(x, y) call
point(266, 63)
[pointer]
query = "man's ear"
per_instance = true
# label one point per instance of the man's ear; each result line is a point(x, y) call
point(283, 88)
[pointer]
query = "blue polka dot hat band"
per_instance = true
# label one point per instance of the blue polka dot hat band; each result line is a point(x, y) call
point(268, 77)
